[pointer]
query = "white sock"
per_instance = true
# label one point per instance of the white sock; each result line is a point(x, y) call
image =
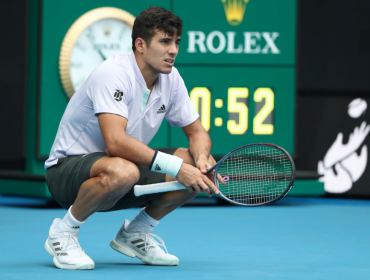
point(142, 222)
point(69, 224)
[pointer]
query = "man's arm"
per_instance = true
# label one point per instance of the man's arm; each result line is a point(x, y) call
point(199, 144)
point(119, 144)
point(200, 148)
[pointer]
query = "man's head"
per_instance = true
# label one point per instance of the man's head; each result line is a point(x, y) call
point(156, 35)
point(152, 20)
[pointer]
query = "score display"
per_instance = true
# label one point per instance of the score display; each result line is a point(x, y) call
point(238, 109)
point(241, 105)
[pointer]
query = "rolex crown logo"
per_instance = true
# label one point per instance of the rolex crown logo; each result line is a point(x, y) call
point(107, 27)
point(234, 10)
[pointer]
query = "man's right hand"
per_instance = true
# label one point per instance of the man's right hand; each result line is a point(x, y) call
point(194, 180)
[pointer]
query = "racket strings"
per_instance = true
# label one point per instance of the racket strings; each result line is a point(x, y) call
point(257, 174)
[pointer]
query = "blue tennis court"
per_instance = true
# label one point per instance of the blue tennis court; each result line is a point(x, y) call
point(296, 238)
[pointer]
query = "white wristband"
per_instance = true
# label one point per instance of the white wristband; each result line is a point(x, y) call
point(165, 163)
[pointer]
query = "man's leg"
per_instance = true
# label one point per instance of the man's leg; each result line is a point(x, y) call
point(169, 201)
point(110, 179)
point(134, 239)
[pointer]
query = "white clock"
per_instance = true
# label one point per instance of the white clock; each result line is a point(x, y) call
point(95, 36)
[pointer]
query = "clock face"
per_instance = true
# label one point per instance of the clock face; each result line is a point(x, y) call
point(91, 39)
point(100, 40)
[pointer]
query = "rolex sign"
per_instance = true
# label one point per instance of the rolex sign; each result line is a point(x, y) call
point(238, 31)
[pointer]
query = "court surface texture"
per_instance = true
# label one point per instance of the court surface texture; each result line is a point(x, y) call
point(296, 238)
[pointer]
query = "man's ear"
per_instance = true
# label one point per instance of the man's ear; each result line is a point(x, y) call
point(140, 45)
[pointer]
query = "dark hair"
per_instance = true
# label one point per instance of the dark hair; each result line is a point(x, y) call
point(152, 20)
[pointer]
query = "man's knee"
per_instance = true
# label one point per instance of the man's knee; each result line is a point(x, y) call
point(119, 176)
point(185, 155)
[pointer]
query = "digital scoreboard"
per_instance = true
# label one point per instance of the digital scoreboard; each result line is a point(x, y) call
point(240, 106)
point(237, 59)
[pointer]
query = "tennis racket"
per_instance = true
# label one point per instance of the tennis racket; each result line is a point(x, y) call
point(255, 174)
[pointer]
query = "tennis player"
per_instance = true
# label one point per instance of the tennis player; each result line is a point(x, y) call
point(100, 151)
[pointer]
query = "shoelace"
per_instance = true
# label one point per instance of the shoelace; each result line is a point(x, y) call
point(69, 242)
point(149, 240)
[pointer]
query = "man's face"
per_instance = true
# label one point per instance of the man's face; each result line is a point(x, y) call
point(160, 55)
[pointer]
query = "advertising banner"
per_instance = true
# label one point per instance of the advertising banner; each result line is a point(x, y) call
point(238, 31)
point(333, 138)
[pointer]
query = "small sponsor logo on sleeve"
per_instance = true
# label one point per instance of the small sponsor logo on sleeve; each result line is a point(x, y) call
point(118, 95)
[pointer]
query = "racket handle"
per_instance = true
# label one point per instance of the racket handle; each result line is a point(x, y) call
point(158, 188)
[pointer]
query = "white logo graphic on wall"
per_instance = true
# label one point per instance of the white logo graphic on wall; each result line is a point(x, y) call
point(254, 42)
point(349, 166)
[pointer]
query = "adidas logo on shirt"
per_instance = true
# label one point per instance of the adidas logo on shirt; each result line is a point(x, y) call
point(157, 168)
point(162, 110)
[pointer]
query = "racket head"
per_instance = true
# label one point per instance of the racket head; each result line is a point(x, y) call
point(257, 174)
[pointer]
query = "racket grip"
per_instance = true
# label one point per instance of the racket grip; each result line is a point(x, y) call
point(158, 188)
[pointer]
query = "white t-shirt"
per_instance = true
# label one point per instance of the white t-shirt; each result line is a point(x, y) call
point(118, 87)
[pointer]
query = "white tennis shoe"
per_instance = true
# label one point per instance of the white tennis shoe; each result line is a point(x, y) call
point(143, 246)
point(66, 251)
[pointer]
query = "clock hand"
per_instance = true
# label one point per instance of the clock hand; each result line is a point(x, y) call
point(95, 46)
point(101, 54)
